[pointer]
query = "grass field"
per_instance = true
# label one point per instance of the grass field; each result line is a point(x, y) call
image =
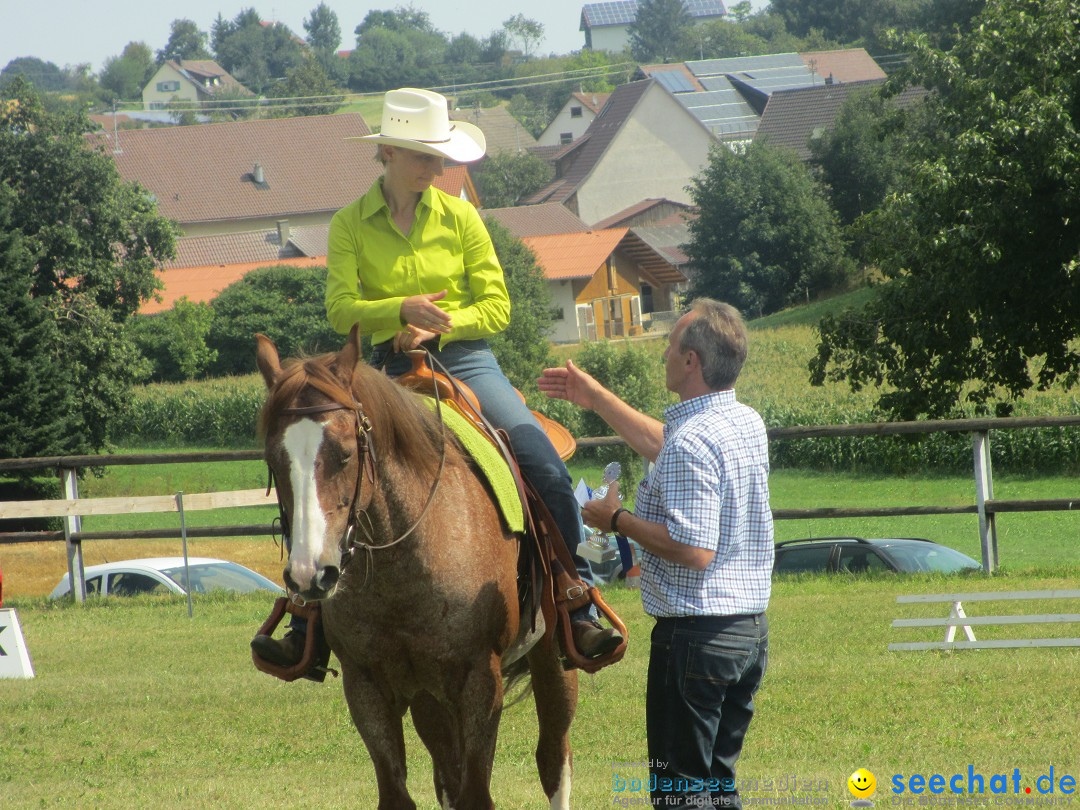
point(136, 705)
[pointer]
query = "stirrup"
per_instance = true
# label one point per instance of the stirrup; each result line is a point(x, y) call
point(572, 657)
point(313, 662)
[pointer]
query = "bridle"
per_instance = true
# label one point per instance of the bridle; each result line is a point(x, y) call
point(365, 447)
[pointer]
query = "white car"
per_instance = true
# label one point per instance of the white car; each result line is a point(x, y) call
point(167, 575)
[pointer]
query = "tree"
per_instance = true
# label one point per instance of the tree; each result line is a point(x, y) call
point(395, 49)
point(94, 241)
point(979, 242)
point(45, 76)
point(522, 348)
point(308, 80)
point(323, 29)
point(125, 76)
point(656, 30)
point(765, 236)
point(37, 410)
point(504, 179)
point(186, 41)
point(254, 53)
point(860, 158)
point(284, 303)
point(528, 33)
point(174, 341)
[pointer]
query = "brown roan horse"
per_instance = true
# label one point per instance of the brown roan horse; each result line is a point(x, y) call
point(425, 620)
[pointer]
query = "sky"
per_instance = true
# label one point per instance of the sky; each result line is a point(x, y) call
point(71, 32)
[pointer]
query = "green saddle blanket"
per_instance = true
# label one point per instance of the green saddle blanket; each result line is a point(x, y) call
point(490, 462)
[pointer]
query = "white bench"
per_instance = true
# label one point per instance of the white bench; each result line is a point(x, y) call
point(958, 618)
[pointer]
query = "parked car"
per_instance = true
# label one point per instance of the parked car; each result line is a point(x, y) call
point(167, 575)
point(856, 555)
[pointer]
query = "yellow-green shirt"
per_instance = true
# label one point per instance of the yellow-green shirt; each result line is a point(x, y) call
point(372, 267)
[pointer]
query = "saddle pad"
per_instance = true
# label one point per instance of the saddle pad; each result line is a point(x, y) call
point(490, 462)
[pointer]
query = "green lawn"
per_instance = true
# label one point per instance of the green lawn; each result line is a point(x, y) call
point(135, 705)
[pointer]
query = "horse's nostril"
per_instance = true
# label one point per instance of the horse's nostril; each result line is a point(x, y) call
point(328, 577)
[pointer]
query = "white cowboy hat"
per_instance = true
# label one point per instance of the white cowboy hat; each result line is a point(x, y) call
point(418, 120)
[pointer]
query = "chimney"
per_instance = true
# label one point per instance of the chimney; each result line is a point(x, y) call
point(282, 232)
point(257, 174)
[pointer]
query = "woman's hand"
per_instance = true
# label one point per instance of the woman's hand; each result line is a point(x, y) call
point(420, 311)
point(411, 338)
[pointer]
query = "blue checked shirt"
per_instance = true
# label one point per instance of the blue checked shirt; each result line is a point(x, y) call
point(710, 487)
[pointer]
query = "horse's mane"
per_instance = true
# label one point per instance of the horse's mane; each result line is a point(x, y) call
point(402, 426)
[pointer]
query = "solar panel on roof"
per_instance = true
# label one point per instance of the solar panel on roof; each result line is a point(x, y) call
point(674, 81)
point(715, 67)
point(624, 12)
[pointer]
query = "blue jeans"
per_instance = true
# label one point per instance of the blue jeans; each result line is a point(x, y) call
point(472, 362)
point(703, 673)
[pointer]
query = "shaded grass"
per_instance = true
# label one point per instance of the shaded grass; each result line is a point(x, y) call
point(136, 705)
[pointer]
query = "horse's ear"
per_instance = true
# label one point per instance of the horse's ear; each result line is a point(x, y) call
point(350, 354)
point(266, 358)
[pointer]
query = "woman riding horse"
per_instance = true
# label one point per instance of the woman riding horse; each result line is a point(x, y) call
point(415, 267)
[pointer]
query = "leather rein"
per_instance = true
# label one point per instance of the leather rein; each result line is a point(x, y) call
point(365, 446)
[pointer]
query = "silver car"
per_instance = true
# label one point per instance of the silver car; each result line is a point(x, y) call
point(168, 575)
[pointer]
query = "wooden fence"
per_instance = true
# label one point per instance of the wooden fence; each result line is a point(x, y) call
point(71, 508)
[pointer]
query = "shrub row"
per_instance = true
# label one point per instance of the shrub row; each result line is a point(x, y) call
point(222, 413)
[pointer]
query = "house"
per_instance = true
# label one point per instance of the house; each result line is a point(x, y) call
point(644, 143)
point(729, 95)
point(205, 265)
point(192, 81)
point(503, 132)
point(573, 119)
point(604, 282)
point(246, 175)
point(607, 25)
point(795, 118)
point(595, 278)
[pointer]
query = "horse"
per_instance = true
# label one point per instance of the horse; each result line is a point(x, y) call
point(424, 616)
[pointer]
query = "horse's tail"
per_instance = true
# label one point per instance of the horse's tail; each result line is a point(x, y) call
point(517, 675)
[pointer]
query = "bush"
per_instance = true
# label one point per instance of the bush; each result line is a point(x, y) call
point(174, 341)
point(284, 303)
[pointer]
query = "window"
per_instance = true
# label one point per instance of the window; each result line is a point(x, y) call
point(858, 559)
point(558, 314)
point(129, 584)
point(646, 298)
point(168, 87)
point(808, 558)
point(565, 138)
point(575, 112)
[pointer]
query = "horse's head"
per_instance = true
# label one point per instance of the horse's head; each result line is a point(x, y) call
point(311, 424)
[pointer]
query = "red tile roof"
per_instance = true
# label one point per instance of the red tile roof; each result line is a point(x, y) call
point(204, 173)
point(847, 65)
point(536, 220)
point(202, 284)
point(574, 255)
point(503, 132)
point(594, 101)
point(623, 217)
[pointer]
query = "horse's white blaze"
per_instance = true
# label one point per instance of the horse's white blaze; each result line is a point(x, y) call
point(560, 799)
point(301, 441)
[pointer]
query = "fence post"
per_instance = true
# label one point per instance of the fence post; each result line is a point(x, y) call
point(984, 491)
point(69, 480)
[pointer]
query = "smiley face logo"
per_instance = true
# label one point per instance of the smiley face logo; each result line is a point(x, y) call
point(862, 784)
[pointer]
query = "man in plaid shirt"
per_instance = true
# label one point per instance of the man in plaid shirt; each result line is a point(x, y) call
point(702, 517)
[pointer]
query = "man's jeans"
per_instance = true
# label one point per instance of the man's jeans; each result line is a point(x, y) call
point(703, 673)
point(472, 362)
